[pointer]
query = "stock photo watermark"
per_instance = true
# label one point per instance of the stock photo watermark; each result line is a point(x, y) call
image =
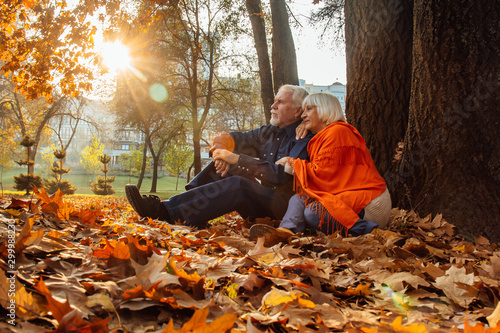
point(11, 273)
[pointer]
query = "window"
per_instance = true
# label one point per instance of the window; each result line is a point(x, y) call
point(125, 147)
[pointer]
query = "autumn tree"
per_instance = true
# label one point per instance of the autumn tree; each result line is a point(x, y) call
point(191, 34)
point(379, 53)
point(70, 118)
point(256, 14)
point(238, 109)
point(283, 55)
point(45, 44)
point(178, 158)
point(89, 157)
point(32, 117)
point(132, 162)
point(451, 155)
point(417, 73)
point(153, 112)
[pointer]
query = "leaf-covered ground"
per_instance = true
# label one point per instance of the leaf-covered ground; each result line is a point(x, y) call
point(88, 264)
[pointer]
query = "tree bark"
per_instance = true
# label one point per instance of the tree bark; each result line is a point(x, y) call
point(283, 53)
point(259, 36)
point(144, 162)
point(451, 158)
point(378, 51)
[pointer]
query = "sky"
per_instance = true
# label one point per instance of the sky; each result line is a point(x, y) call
point(317, 63)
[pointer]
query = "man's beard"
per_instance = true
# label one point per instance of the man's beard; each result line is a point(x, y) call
point(275, 121)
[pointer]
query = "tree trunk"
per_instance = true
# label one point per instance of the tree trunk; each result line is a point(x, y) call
point(144, 162)
point(197, 150)
point(259, 36)
point(283, 53)
point(378, 52)
point(154, 181)
point(451, 158)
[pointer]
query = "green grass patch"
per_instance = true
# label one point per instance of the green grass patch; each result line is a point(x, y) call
point(166, 186)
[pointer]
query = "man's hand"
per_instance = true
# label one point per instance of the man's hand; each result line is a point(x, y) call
point(221, 167)
point(222, 159)
point(287, 162)
point(300, 131)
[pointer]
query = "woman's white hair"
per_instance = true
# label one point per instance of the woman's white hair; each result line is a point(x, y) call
point(327, 106)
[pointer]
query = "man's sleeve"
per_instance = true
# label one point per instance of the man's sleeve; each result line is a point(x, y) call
point(270, 173)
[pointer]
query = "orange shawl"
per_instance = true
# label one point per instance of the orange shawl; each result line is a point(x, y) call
point(340, 175)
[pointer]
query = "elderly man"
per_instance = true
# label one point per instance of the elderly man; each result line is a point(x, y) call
point(243, 176)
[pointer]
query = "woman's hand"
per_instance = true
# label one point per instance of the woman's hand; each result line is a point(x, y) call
point(287, 162)
point(300, 131)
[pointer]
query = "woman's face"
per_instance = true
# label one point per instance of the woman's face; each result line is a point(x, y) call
point(311, 119)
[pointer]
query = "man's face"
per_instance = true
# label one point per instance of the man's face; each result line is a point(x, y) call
point(283, 113)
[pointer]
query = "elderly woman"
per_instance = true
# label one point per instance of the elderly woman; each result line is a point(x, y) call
point(339, 189)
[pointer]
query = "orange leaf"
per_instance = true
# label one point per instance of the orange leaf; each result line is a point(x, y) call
point(121, 251)
point(479, 328)
point(58, 309)
point(105, 252)
point(89, 216)
point(360, 290)
point(197, 323)
point(182, 273)
point(133, 293)
point(397, 326)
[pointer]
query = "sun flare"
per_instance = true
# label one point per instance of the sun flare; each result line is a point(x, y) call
point(115, 56)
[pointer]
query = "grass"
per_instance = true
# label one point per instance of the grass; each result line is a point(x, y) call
point(165, 186)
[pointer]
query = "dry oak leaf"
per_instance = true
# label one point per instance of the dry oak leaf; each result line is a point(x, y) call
point(397, 280)
point(457, 285)
point(198, 324)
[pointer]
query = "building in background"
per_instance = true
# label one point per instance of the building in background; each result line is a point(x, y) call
point(338, 89)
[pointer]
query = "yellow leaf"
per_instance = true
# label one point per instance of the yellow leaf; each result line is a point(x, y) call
point(459, 248)
point(102, 300)
point(13, 212)
point(277, 297)
point(306, 303)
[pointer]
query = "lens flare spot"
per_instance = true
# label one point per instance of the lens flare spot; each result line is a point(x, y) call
point(158, 92)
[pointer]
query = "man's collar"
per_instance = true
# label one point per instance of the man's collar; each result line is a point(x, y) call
point(290, 129)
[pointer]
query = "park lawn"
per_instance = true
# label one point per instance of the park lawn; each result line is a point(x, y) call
point(166, 186)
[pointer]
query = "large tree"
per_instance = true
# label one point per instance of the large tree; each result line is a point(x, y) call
point(284, 58)
point(451, 158)
point(254, 9)
point(378, 52)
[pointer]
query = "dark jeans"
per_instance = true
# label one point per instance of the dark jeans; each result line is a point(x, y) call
point(211, 196)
